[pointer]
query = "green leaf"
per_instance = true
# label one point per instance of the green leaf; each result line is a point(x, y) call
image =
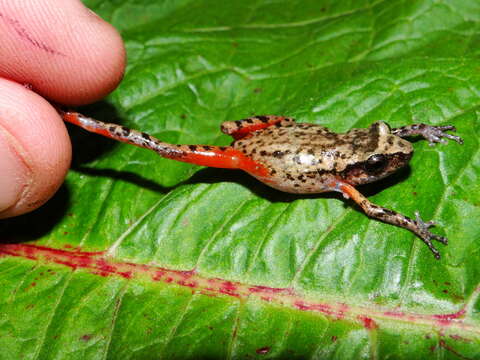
point(139, 257)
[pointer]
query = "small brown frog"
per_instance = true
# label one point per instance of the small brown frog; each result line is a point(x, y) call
point(301, 158)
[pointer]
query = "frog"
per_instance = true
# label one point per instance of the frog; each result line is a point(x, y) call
point(302, 158)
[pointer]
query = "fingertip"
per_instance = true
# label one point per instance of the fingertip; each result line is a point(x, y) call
point(67, 53)
point(35, 150)
point(95, 68)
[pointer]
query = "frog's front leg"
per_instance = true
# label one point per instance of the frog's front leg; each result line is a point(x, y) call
point(434, 134)
point(418, 227)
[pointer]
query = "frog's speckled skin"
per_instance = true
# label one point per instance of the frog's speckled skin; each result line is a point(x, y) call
point(304, 158)
point(301, 158)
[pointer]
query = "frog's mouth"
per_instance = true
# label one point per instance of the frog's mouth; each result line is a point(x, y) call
point(362, 173)
point(397, 161)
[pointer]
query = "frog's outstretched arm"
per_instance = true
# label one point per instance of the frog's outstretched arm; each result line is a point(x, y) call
point(418, 227)
point(434, 134)
point(204, 155)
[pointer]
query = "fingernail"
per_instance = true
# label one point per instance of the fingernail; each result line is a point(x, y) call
point(12, 174)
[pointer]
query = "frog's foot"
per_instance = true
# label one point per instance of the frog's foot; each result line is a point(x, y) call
point(436, 134)
point(427, 236)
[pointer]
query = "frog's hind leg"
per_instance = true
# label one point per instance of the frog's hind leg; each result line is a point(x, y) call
point(418, 227)
point(241, 128)
point(205, 155)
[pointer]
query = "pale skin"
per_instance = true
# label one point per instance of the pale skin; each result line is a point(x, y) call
point(301, 158)
point(43, 44)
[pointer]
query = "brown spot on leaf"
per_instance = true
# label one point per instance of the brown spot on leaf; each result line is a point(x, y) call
point(86, 337)
point(263, 350)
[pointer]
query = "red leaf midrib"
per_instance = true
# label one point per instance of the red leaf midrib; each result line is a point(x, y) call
point(369, 317)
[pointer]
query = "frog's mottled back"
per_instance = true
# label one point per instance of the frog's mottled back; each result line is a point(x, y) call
point(303, 157)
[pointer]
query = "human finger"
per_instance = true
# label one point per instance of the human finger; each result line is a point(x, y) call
point(35, 150)
point(66, 52)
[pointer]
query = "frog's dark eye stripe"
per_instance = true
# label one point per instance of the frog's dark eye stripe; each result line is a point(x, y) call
point(376, 163)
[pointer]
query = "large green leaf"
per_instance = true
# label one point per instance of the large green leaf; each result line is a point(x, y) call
point(139, 257)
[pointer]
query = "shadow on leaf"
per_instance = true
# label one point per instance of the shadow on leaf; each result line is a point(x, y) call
point(38, 223)
point(126, 176)
point(212, 175)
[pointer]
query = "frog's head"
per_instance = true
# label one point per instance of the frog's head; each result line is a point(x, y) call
point(386, 154)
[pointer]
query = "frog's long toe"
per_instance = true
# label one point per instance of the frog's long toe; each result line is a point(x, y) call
point(436, 134)
point(427, 236)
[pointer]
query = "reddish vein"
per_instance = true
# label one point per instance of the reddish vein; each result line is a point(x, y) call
point(368, 317)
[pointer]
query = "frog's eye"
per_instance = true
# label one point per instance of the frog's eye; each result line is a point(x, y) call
point(376, 163)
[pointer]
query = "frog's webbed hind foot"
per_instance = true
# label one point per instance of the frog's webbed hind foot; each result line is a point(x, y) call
point(434, 134)
point(427, 236)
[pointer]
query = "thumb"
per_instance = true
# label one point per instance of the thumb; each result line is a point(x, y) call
point(34, 150)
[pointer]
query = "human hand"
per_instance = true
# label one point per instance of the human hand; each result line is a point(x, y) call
point(67, 55)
